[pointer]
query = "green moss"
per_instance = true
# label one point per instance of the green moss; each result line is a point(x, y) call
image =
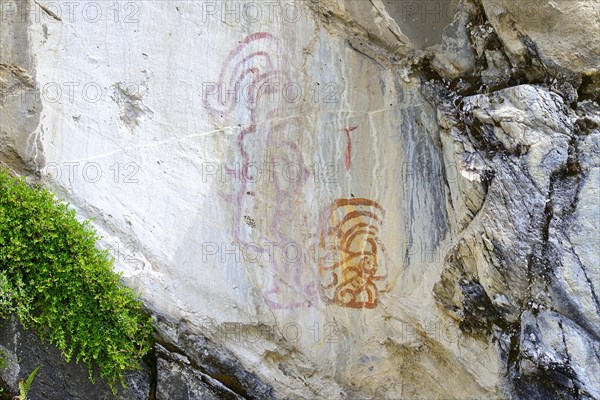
point(55, 279)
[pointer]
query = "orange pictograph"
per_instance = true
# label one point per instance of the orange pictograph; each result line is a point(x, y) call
point(352, 264)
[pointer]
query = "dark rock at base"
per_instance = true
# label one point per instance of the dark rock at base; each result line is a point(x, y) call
point(57, 379)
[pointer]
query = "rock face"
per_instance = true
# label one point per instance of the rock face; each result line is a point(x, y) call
point(313, 203)
point(512, 271)
point(57, 379)
point(555, 32)
point(21, 146)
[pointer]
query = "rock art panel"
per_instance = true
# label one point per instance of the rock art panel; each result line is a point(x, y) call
point(250, 75)
point(353, 267)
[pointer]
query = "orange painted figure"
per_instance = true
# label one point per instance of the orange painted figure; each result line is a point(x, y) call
point(352, 263)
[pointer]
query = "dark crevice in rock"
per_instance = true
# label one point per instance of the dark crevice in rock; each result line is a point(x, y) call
point(151, 361)
point(531, 71)
point(557, 378)
point(360, 46)
point(485, 139)
point(586, 274)
point(573, 172)
point(589, 88)
point(210, 359)
point(215, 386)
point(532, 380)
point(586, 125)
point(544, 384)
point(428, 73)
point(6, 393)
point(479, 314)
point(549, 210)
point(514, 351)
point(568, 371)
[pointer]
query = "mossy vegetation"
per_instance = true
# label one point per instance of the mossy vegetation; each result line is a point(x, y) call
point(55, 279)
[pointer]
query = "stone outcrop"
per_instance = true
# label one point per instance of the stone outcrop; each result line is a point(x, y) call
point(322, 199)
point(21, 144)
point(57, 379)
point(512, 269)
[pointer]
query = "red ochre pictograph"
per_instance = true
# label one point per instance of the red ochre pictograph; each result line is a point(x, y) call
point(348, 160)
point(352, 268)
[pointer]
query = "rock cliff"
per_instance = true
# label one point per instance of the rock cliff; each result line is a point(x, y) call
point(323, 199)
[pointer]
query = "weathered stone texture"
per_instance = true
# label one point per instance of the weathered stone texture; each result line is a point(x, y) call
point(399, 212)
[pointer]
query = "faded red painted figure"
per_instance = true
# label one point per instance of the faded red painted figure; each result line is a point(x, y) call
point(349, 146)
point(351, 226)
point(252, 72)
point(353, 271)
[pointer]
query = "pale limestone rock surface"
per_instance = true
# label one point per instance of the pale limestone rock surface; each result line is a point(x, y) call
point(560, 32)
point(313, 205)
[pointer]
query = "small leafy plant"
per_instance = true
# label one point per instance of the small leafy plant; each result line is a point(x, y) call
point(25, 385)
point(3, 360)
point(55, 279)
